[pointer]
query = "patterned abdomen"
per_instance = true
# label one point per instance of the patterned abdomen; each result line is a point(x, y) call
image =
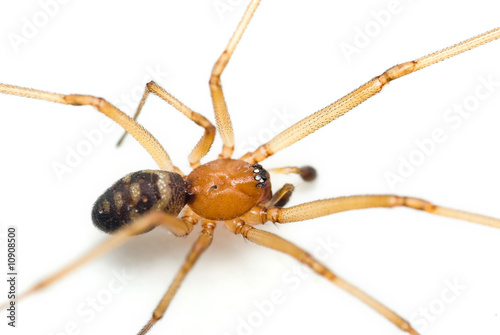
point(137, 193)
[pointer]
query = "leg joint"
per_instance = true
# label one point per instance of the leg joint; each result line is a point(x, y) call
point(214, 81)
point(419, 204)
point(397, 72)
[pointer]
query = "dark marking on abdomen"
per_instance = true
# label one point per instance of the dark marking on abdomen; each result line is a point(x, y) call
point(136, 194)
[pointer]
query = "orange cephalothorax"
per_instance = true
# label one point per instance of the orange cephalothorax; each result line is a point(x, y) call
point(227, 188)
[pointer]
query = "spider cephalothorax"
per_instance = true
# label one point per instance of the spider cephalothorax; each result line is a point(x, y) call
point(227, 188)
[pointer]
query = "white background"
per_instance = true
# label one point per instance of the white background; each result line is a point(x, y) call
point(290, 58)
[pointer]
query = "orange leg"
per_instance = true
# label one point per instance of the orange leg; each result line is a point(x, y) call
point(307, 173)
point(203, 146)
point(201, 244)
point(152, 146)
point(315, 209)
point(331, 112)
point(219, 102)
point(275, 242)
point(178, 227)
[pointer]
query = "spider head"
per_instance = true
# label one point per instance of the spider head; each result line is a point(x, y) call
point(227, 188)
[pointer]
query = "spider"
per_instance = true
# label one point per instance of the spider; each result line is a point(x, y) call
point(322, 175)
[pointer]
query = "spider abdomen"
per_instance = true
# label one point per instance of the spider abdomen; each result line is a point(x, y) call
point(136, 194)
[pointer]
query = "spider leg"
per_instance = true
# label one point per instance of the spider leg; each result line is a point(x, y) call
point(280, 197)
point(178, 227)
point(220, 108)
point(307, 173)
point(331, 112)
point(203, 146)
point(314, 209)
point(275, 242)
point(152, 146)
point(201, 244)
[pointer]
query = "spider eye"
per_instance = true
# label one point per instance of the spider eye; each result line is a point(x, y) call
point(261, 175)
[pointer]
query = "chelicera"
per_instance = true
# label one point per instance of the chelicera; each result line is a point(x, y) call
point(234, 192)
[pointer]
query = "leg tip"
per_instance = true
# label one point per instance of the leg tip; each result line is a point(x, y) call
point(308, 173)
